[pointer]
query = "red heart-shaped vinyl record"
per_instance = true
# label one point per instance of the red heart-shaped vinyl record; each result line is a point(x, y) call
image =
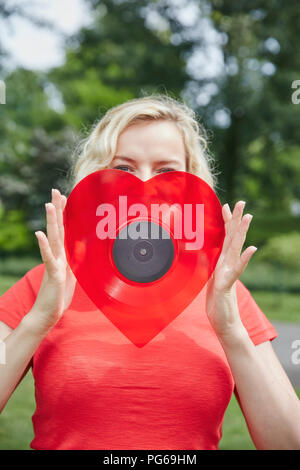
point(142, 251)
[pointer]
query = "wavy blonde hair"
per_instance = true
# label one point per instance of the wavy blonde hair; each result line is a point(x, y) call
point(97, 150)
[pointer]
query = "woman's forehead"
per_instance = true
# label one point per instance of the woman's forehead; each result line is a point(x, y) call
point(158, 139)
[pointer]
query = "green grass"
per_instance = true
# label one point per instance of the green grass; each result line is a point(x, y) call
point(262, 276)
point(6, 282)
point(268, 224)
point(17, 265)
point(16, 431)
point(279, 306)
point(235, 433)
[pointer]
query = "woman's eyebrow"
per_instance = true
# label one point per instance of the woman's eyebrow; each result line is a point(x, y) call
point(123, 157)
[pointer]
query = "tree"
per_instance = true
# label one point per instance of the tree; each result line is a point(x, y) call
point(35, 145)
point(118, 57)
point(254, 91)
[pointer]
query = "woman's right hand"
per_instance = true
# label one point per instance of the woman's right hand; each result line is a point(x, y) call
point(58, 284)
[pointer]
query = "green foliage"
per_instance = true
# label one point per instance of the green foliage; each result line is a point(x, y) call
point(265, 182)
point(14, 234)
point(17, 265)
point(90, 97)
point(270, 277)
point(117, 58)
point(268, 224)
point(34, 156)
point(104, 66)
point(254, 89)
point(282, 250)
point(275, 265)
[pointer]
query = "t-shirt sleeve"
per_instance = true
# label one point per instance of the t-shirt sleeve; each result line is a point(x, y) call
point(17, 301)
point(259, 328)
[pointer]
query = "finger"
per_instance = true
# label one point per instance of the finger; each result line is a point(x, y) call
point(64, 201)
point(244, 259)
point(52, 230)
point(57, 202)
point(226, 212)
point(233, 224)
point(234, 250)
point(45, 250)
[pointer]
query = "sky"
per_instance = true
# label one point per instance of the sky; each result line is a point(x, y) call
point(38, 48)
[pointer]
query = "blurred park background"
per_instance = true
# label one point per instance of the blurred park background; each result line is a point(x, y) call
point(234, 63)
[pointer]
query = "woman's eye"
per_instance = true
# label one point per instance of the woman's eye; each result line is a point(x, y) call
point(163, 170)
point(122, 167)
point(128, 168)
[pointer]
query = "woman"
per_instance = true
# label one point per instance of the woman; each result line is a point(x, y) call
point(94, 389)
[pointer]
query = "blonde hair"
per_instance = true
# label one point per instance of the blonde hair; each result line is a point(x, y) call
point(97, 150)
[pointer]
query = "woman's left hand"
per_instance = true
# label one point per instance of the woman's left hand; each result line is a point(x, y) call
point(221, 300)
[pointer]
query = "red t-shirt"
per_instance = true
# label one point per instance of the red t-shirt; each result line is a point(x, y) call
point(94, 389)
